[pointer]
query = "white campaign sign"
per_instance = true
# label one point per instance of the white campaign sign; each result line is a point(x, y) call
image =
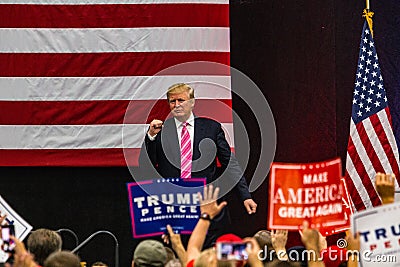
point(22, 228)
point(379, 230)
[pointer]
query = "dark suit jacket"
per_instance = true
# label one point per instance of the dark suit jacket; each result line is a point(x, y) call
point(163, 155)
point(209, 142)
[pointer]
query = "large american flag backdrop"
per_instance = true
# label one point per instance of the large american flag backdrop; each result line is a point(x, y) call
point(372, 146)
point(69, 70)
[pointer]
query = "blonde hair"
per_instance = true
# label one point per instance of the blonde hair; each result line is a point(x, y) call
point(208, 257)
point(180, 88)
point(205, 257)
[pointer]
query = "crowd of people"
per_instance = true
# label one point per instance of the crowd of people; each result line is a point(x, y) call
point(264, 248)
point(44, 248)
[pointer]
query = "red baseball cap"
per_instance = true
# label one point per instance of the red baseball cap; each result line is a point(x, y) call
point(229, 238)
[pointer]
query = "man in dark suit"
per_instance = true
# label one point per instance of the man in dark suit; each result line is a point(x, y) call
point(207, 142)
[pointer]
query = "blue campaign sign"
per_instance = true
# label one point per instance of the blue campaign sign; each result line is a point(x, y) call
point(156, 203)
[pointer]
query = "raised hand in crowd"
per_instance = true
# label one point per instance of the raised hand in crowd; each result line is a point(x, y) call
point(253, 251)
point(310, 239)
point(322, 241)
point(385, 186)
point(353, 245)
point(2, 218)
point(176, 243)
point(22, 258)
point(208, 202)
point(353, 241)
point(209, 208)
point(279, 239)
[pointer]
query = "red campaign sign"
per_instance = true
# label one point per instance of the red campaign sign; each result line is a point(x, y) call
point(348, 211)
point(307, 191)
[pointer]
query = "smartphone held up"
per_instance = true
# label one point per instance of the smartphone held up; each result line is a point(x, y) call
point(232, 250)
point(7, 243)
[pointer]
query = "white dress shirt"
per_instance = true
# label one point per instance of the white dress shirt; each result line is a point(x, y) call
point(190, 128)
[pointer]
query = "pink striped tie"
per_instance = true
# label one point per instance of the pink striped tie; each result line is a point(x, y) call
point(186, 152)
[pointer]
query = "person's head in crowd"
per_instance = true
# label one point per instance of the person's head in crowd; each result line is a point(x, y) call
point(298, 254)
point(334, 256)
point(279, 263)
point(229, 238)
point(181, 101)
point(149, 253)
point(263, 238)
point(62, 259)
point(42, 242)
point(99, 264)
point(170, 253)
point(174, 263)
point(208, 258)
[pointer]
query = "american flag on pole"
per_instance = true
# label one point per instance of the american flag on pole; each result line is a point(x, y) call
point(69, 70)
point(372, 146)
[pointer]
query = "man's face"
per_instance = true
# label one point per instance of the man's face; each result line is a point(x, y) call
point(181, 105)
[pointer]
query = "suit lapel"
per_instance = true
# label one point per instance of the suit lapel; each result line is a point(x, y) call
point(198, 136)
point(170, 140)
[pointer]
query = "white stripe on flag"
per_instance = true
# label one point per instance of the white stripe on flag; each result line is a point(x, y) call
point(361, 151)
point(114, 40)
point(75, 136)
point(383, 118)
point(357, 182)
point(389, 133)
point(109, 88)
point(111, 2)
point(376, 144)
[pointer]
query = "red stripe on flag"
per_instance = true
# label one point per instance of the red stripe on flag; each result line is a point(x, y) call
point(362, 173)
point(103, 112)
point(369, 148)
point(379, 130)
point(109, 16)
point(107, 64)
point(355, 196)
point(68, 157)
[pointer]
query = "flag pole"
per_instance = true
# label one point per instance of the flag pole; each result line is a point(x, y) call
point(368, 16)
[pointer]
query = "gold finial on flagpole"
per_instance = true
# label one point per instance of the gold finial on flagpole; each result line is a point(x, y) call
point(368, 16)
